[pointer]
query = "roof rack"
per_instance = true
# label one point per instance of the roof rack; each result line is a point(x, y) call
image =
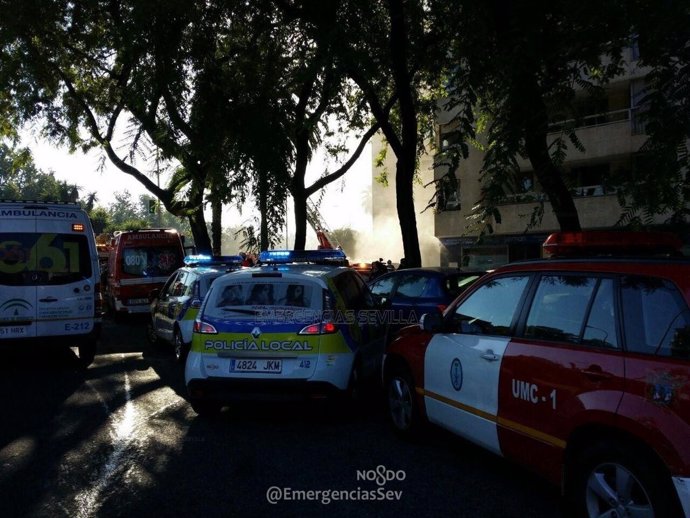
point(43, 202)
point(612, 243)
point(332, 257)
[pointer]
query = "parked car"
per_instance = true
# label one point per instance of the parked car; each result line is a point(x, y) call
point(576, 367)
point(175, 306)
point(293, 327)
point(409, 293)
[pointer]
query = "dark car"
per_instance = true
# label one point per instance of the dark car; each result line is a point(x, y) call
point(411, 292)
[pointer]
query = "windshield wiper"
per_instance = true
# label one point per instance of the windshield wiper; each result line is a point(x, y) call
point(243, 311)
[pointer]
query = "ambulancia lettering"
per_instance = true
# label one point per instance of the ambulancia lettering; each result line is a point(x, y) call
point(35, 213)
point(246, 345)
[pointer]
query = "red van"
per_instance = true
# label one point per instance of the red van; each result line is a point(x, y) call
point(140, 261)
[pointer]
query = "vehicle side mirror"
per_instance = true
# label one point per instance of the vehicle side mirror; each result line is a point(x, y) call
point(431, 322)
point(381, 301)
point(153, 294)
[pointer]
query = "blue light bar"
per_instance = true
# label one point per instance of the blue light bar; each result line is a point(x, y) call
point(303, 256)
point(216, 260)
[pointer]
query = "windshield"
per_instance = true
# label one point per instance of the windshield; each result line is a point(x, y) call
point(151, 261)
point(43, 258)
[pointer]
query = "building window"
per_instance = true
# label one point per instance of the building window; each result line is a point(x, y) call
point(449, 139)
point(591, 180)
point(447, 193)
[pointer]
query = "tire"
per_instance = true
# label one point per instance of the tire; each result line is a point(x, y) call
point(615, 479)
point(205, 407)
point(180, 348)
point(401, 399)
point(354, 386)
point(87, 353)
point(151, 335)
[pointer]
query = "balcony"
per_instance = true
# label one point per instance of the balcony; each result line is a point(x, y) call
point(614, 133)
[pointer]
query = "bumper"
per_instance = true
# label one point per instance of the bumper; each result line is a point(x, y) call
point(130, 308)
point(227, 390)
point(682, 485)
point(41, 342)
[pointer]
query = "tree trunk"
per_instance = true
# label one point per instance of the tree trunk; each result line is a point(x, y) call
point(263, 210)
point(404, 172)
point(216, 225)
point(197, 222)
point(407, 154)
point(299, 200)
point(549, 176)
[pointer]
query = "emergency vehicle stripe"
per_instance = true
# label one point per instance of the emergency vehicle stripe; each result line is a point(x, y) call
point(456, 404)
point(505, 423)
point(531, 432)
point(145, 280)
point(60, 319)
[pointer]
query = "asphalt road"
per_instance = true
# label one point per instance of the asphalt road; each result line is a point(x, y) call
point(120, 439)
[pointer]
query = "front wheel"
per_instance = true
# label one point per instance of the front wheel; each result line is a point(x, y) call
point(151, 335)
point(402, 404)
point(179, 347)
point(610, 479)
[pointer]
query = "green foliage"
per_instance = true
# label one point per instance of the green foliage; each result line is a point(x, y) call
point(20, 179)
point(100, 219)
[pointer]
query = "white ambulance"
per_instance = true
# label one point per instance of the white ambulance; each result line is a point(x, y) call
point(50, 291)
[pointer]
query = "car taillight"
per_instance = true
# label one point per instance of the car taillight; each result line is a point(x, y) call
point(322, 328)
point(204, 328)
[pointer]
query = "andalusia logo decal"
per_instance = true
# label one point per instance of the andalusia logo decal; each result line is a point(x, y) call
point(15, 308)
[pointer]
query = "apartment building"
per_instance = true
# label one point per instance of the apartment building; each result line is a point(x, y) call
point(611, 134)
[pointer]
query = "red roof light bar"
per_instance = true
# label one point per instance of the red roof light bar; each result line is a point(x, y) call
point(601, 242)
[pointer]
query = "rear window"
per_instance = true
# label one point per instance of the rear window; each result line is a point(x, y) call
point(259, 292)
point(43, 258)
point(151, 261)
point(656, 317)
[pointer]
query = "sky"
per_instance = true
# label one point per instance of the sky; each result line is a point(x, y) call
point(342, 205)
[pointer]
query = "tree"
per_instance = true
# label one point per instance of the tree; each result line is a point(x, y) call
point(660, 183)
point(167, 68)
point(390, 51)
point(100, 220)
point(519, 66)
point(20, 179)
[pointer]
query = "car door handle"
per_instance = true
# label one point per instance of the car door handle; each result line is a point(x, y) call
point(490, 356)
point(595, 373)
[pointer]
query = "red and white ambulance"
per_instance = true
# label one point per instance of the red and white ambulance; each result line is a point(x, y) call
point(140, 261)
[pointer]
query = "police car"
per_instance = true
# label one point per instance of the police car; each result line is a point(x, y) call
point(576, 366)
point(175, 306)
point(298, 325)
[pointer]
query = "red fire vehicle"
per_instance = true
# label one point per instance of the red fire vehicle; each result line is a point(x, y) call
point(140, 261)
